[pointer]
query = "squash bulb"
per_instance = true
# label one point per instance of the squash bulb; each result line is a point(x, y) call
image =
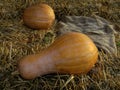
point(40, 16)
point(70, 53)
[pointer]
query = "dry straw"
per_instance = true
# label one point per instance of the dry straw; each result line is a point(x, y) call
point(16, 41)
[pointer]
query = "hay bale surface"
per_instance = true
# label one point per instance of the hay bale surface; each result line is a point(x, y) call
point(17, 40)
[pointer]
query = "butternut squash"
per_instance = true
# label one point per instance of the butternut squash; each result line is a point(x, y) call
point(71, 53)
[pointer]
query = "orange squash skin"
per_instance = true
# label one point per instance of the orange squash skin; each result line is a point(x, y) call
point(40, 16)
point(71, 53)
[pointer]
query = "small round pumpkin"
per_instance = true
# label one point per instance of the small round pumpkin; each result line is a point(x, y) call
point(40, 16)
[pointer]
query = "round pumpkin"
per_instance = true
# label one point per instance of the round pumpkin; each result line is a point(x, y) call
point(40, 16)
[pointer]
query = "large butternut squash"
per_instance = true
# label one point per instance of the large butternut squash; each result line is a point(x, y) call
point(71, 53)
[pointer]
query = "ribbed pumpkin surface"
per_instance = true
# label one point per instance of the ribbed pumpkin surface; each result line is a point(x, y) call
point(74, 53)
point(40, 16)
